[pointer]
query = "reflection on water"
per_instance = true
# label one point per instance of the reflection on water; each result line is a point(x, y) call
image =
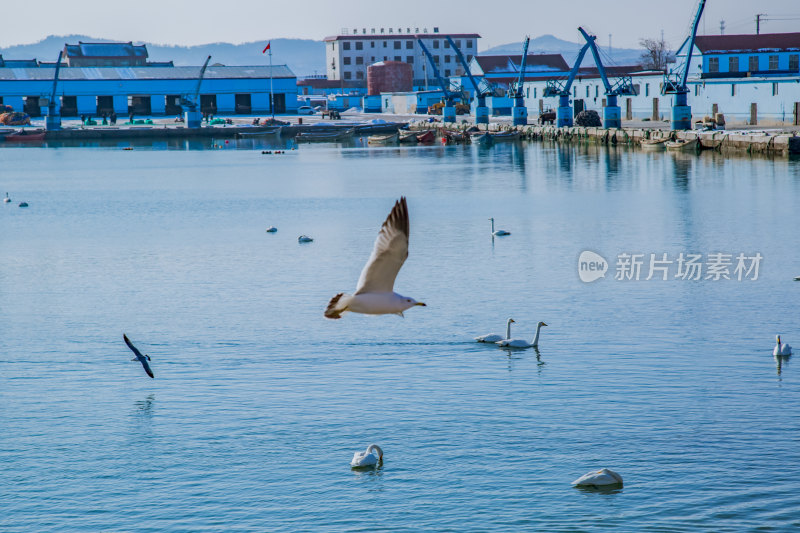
point(144, 408)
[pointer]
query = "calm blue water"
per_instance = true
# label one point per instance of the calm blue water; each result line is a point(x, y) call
point(259, 402)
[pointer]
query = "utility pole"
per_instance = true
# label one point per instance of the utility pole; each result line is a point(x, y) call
point(758, 22)
point(609, 44)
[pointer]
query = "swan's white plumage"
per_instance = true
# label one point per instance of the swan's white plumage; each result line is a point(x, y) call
point(371, 457)
point(500, 232)
point(600, 478)
point(781, 348)
point(493, 337)
point(374, 293)
point(272, 229)
point(522, 343)
point(304, 238)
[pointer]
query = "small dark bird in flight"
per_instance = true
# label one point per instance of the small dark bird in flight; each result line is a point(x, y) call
point(139, 357)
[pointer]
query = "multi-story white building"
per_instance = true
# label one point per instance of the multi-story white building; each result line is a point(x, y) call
point(350, 53)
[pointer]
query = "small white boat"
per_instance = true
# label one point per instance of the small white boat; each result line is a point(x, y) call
point(389, 138)
point(653, 144)
point(681, 145)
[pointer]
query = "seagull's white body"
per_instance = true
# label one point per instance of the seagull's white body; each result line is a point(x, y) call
point(6, 199)
point(371, 457)
point(493, 337)
point(304, 238)
point(272, 229)
point(375, 290)
point(600, 478)
point(781, 348)
point(522, 343)
point(500, 232)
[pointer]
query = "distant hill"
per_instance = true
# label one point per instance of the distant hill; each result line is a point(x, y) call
point(548, 44)
point(303, 56)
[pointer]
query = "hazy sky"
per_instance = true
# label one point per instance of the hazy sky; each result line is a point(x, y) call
point(197, 22)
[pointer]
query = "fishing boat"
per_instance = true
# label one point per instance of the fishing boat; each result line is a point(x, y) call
point(427, 137)
point(389, 138)
point(324, 136)
point(504, 136)
point(483, 139)
point(681, 145)
point(266, 132)
point(408, 137)
point(653, 144)
point(26, 136)
point(454, 136)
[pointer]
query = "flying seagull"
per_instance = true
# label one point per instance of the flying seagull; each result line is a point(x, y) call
point(139, 357)
point(375, 291)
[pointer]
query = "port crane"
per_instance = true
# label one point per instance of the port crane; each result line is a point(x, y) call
point(449, 109)
point(675, 81)
point(563, 89)
point(482, 89)
point(520, 112)
point(612, 117)
point(191, 102)
point(53, 120)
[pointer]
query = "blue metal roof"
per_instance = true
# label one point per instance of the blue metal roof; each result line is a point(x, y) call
point(144, 73)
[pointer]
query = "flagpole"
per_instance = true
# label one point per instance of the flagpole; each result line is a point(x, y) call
point(271, 98)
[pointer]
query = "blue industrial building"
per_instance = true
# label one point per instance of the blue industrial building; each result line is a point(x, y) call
point(745, 56)
point(134, 86)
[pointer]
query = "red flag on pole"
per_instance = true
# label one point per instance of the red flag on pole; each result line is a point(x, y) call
point(264, 51)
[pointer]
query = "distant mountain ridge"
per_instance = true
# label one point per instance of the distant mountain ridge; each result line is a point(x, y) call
point(549, 44)
point(304, 56)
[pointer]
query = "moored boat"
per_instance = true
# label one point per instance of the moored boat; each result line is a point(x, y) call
point(272, 131)
point(389, 138)
point(427, 137)
point(504, 136)
point(408, 137)
point(484, 139)
point(653, 144)
point(453, 136)
point(681, 145)
point(26, 136)
point(324, 136)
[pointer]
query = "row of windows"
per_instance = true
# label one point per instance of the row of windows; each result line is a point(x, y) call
point(359, 60)
point(360, 74)
point(753, 63)
point(359, 45)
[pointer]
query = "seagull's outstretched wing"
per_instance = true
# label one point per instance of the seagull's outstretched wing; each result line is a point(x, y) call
point(142, 358)
point(389, 253)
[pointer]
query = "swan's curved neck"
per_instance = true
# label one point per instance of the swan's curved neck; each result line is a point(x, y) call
point(508, 329)
point(377, 448)
point(492, 224)
point(536, 338)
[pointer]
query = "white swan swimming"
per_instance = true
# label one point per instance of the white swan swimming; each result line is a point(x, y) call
point(500, 232)
point(304, 238)
point(6, 199)
point(493, 337)
point(272, 229)
point(781, 349)
point(601, 478)
point(522, 343)
point(371, 457)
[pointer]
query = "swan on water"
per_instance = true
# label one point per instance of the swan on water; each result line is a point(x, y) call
point(375, 290)
point(6, 199)
point(304, 238)
point(139, 357)
point(272, 229)
point(373, 456)
point(500, 232)
point(601, 478)
point(781, 349)
point(493, 337)
point(522, 343)
point(23, 204)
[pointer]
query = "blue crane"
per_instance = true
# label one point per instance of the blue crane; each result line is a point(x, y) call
point(449, 109)
point(53, 120)
point(191, 102)
point(675, 81)
point(520, 112)
point(563, 89)
point(612, 117)
point(482, 90)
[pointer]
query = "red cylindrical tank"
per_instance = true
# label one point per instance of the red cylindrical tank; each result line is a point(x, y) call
point(389, 77)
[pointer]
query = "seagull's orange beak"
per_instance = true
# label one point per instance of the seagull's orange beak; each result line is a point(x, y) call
point(422, 304)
